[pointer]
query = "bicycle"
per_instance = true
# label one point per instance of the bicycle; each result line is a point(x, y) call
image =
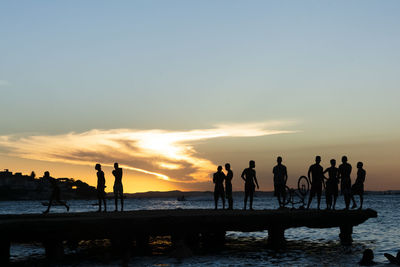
point(303, 187)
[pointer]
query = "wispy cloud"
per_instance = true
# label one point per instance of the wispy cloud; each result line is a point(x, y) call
point(168, 155)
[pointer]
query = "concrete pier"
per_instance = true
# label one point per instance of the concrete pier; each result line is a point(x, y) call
point(187, 227)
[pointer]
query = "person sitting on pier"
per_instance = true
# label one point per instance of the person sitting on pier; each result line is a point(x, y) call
point(345, 181)
point(228, 185)
point(118, 188)
point(55, 195)
point(280, 179)
point(332, 185)
point(101, 185)
point(249, 176)
point(218, 179)
point(358, 186)
point(317, 178)
point(393, 259)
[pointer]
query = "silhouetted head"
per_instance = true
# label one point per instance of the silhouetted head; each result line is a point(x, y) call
point(227, 166)
point(46, 174)
point(97, 167)
point(344, 159)
point(219, 169)
point(318, 159)
point(115, 165)
point(252, 164)
point(279, 160)
point(333, 162)
point(359, 164)
point(367, 258)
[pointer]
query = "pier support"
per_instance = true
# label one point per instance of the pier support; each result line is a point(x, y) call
point(54, 249)
point(142, 243)
point(213, 239)
point(345, 235)
point(276, 237)
point(4, 251)
point(184, 244)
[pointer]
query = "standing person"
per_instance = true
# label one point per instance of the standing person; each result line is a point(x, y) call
point(249, 177)
point(118, 188)
point(345, 180)
point(332, 185)
point(280, 179)
point(218, 179)
point(317, 178)
point(228, 185)
point(101, 185)
point(358, 186)
point(55, 195)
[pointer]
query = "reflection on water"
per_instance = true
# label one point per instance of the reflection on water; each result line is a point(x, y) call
point(305, 247)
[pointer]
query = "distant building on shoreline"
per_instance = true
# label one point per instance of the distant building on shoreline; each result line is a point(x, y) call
point(25, 187)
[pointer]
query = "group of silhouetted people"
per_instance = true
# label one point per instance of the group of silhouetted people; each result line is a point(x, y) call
point(335, 176)
point(101, 185)
point(316, 176)
point(118, 188)
point(249, 177)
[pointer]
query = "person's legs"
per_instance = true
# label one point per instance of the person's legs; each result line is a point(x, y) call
point(216, 199)
point(223, 200)
point(319, 199)
point(334, 201)
point(99, 198)
point(122, 201)
point(48, 207)
point(361, 201)
point(310, 198)
point(354, 202)
point(246, 195)
point(347, 201)
point(104, 202)
point(251, 199)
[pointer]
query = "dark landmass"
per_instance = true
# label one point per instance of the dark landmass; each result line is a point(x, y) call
point(15, 186)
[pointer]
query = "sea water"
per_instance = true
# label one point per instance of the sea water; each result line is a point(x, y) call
point(305, 247)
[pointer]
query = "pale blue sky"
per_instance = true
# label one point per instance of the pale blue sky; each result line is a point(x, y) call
point(333, 67)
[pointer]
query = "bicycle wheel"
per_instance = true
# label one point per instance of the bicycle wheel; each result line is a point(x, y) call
point(303, 185)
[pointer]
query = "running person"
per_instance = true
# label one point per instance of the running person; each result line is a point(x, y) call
point(55, 195)
point(317, 178)
point(218, 179)
point(118, 188)
point(249, 176)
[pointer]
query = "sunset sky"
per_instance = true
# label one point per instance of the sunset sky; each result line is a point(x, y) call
point(172, 89)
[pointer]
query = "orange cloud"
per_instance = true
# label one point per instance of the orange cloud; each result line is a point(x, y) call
point(168, 155)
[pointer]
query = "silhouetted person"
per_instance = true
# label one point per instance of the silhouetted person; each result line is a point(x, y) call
point(118, 189)
point(228, 185)
point(393, 259)
point(55, 195)
point(249, 177)
point(218, 179)
point(367, 258)
point(317, 177)
point(332, 185)
point(280, 179)
point(358, 186)
point(101, 185)
point(345, 181)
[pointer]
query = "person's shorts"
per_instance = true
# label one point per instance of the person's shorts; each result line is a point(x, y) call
point(316, 188)
point(249, 188)
point(219, 191)
point(118, 189)
point(357, 189)
point(331, 188)
point(279, 190)
point(101, 193)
